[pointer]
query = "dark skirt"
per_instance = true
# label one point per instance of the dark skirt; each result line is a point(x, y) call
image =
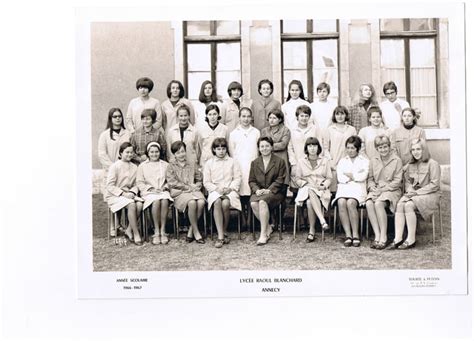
point(272, 200)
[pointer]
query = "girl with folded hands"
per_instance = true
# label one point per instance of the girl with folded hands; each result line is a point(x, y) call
point(222, 178)
point(384, 187)
point(151, 181)
point(313, 177)
point(122, 192)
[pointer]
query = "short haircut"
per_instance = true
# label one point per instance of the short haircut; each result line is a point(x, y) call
point(213, 107)
point(265, 81)
point(340, 109)
point(265, 139)
point(203, 98)
point(219, 142)
point(145, 82)
point(380, 140)
point(372, 110)
point(124, 146)
point(303, 109)
point(278, 114)
point(300, 86)
point(390, 86)
point(149, 113)
point(185, 108)
point(245, 108)
point(354, 140)
point(425, 156)
point(413, 112)
point(151, 145)
point(181, 88)
point(235, 86)
point(177, 145)
point(323, 85)
point(312, 141)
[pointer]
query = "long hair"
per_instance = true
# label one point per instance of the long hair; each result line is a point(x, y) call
point(203, 98)
point(425, 156)
point(300, 86)
point(109, 122)
point(373, 98)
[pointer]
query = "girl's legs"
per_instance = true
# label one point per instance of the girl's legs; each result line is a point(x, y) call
point(193, 218)
point(399, 222)
point(352, 205)
point(255, 209)
point(164, 214)
point(382, 220)
point(344, 216)
point(317, 206)
point(218, 218)
point(311, 218)
point(369, 204)
point(133, 209)
point(155, 214)
point(264, 213)
point(226, 213)
point(410, 216)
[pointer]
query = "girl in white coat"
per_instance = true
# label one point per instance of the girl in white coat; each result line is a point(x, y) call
point(243, 148)
point(294, 100)
point(352, 173)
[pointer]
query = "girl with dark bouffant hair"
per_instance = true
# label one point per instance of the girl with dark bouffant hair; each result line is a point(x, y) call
point(175, 93)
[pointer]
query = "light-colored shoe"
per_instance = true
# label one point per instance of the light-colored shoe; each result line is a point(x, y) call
point(219, 243)
point(164, 239)
point(113, 232)
point(156, 240)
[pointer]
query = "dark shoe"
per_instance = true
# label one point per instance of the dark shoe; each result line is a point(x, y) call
point(310, 238)
point(374, 244)
point(355, 242)
point(382, 245)
point(139, 243)
point(200, 241)
point(348, 242)
point(393, 245)
point(226, 239)
point(189, 239)
point(406, 246)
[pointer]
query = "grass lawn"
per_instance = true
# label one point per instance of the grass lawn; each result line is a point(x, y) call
point(285, 254)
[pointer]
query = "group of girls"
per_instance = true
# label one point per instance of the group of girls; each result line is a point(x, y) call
point(244, 154)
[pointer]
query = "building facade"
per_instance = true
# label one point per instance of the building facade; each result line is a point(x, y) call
point(344, 53)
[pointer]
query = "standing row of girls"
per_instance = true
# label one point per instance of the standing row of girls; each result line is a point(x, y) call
point(287, 132)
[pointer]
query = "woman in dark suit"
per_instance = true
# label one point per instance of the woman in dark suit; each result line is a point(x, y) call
point(267, 183)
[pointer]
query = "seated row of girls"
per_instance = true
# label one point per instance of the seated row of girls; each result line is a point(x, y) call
point(384, 175)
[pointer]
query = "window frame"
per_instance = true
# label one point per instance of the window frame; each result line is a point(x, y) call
point(213, 39)
point(406, 36)
point(308, 38)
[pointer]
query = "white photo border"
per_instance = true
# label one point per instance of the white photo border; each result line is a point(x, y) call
point(94, 285)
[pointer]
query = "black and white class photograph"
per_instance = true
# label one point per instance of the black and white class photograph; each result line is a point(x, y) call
point(285, 144)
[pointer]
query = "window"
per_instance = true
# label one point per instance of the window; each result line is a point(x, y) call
point(310, 54)
point(408, 57)
point(212, 52)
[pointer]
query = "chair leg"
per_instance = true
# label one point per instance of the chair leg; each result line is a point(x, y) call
point(440, 219)
point(295, 221)
point(335, 221)
point(280, 222)
point(433, 227)
point(322, 230)
point(238, 224)
point(211, 224)
point(253, 226)
point(204, 220)
point(176, 220)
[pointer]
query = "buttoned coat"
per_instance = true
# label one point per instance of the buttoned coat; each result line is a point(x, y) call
point(272, 178)
point(424, 179)
point(385, 180)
